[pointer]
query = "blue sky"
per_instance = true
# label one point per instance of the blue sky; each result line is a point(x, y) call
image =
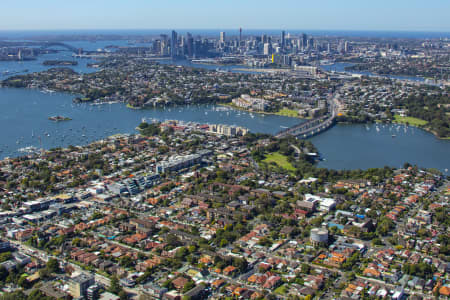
point(404, 15)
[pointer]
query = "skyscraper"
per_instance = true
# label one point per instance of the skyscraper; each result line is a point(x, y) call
point(190, 45)
point(174, 44)
point(267, 49)
point(283, 40)
point(240, 36)
point(164, 45)
point(264, 38)
point(222, 37)
point(304, 40)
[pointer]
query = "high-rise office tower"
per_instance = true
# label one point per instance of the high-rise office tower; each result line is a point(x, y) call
point(310, 44)
point(267, 49)
point(174, 44)
point(283, 40)
point(240, 36)
point(264, 38)
point(190, 45)
point(164, 45)
point(222, 37)
point(304, 40)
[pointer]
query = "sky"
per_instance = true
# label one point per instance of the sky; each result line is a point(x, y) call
point(374, 15)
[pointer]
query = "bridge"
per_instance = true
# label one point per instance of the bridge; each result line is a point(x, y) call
point(312, 127)
point(48, 45)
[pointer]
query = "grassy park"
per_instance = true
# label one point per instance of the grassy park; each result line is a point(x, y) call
point(287, 112)
point(410, 120)
point(280, 160)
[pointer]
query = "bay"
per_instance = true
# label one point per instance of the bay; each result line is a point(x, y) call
point(24, 122)
point(26, 113)
point(358, 146)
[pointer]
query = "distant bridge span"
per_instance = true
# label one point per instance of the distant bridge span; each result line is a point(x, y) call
point(59, 44)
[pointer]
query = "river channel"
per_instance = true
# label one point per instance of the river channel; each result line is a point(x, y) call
point(26, 113)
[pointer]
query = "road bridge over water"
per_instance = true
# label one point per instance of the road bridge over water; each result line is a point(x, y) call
point(48, 45)
point(314, 126)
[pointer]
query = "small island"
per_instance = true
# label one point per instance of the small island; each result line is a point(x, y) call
point(59, 118)
point(60, 63)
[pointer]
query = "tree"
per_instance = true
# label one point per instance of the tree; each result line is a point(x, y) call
point(306, 268)
point(188, 286)
point(44, 273)
point(123, 295)
point(377, 241)
point(53, 265)
point(126, 261)
point(23, 282)
point(3, 273)
point(5, 256)
point(384, 226)
point(115, 287)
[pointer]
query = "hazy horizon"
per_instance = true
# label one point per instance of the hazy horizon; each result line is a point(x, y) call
point(383, 15)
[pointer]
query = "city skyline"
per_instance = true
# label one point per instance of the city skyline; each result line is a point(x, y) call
point(200, 14)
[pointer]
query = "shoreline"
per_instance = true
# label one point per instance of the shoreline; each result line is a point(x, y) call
point(423, 128)
point(262, 112)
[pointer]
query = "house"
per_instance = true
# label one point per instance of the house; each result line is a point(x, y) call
point(154, 291)
point(306, 206)
point(142, 225)
point(229, 271)
point(272, 282)
point(444, 291)
point(172, 295)
point(371, 272)
point(217, 283)
point(314, 282)
point(180, 282)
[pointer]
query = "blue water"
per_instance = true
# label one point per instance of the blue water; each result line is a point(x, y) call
point(27, 112)
point(19, 67)
point(363, 146)
point(10, 68)
point(343, 146)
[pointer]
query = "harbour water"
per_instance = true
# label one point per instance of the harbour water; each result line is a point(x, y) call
point(358, 146)
point(342, 147)
point(11, 68)
point(27, 111)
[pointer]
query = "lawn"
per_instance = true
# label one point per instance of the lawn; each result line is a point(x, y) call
point(410, 120)
point(280, 160)
point(281, 290)
point(287, 112)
